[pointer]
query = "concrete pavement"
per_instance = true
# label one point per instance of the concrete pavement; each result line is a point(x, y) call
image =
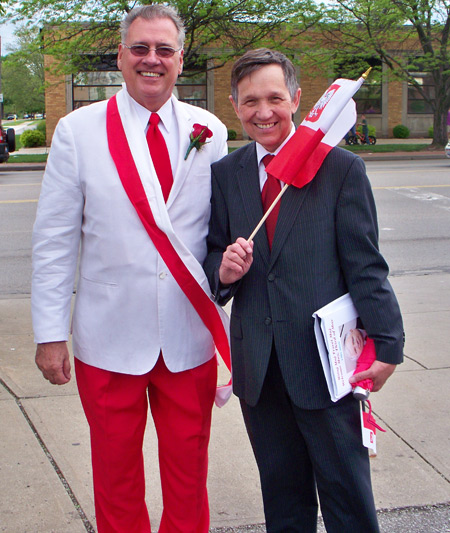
point(44, 447)
point(45, 471)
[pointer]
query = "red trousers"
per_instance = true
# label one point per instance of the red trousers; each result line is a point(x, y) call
point(116, 409)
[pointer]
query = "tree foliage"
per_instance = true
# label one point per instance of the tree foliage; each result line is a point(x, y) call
point(23, 76)
point(224, 28)
point(409, 36)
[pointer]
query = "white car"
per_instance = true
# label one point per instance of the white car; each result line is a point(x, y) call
point(447, 149)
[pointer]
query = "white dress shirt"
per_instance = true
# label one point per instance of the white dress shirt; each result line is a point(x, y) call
point(261, 152)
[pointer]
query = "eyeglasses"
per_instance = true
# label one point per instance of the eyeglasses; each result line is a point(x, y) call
point(141, 50)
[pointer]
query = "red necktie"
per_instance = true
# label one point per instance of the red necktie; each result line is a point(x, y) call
point(160, 155)
point(270, 191)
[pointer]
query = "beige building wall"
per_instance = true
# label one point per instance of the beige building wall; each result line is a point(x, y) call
point(396, 113)
point(55, 97)
point(58, 101)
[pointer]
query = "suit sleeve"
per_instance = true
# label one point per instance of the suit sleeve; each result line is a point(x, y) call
point(364, 267)
point(56, 239)
point(218, 240)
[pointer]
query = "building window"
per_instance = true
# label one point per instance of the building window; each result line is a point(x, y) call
point(98, 79)
point(417, 105)
point(89, 87)
point(104, 80)
point(191, 88)
point(369, 97)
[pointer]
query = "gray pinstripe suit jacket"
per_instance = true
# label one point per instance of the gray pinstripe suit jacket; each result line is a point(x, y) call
point(325, 244)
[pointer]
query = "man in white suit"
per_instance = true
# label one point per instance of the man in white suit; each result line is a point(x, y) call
point(136, 333)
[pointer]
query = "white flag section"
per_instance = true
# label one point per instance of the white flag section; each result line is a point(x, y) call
point(323, 128)
point(335, 111)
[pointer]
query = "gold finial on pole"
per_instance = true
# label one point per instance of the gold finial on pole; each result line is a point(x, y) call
point(366, 74)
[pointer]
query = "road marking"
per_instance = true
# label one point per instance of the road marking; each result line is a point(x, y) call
point(414, 193)
point(410, 187)
point(18, 201)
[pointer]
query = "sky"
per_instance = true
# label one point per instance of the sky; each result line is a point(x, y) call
point(6, 33)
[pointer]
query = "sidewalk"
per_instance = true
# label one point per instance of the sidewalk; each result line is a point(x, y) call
point(44, 447)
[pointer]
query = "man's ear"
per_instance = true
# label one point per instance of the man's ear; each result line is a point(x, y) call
point(296, 101)
point(180, 66)
point(234, 104)
point(119, 56)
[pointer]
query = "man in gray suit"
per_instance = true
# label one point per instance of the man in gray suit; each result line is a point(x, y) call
point(325, 244)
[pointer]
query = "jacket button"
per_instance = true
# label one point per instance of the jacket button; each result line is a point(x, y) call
point(268, 321)
point(271, 276)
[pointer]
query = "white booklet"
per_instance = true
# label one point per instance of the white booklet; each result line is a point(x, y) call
point(340, 339)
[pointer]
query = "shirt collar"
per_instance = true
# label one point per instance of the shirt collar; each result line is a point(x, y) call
point(261, 151)
point(165, 113)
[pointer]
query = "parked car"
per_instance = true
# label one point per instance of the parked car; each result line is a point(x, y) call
point(447, 149)
point(7, 143)
point(26, 115)
point(11, 116)
point(38, 115)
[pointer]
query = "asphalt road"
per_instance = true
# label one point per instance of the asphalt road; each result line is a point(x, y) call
point(413, 203)
point(412, 198)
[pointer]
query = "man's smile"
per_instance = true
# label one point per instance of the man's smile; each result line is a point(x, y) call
point(150, 74)
point(265, 126)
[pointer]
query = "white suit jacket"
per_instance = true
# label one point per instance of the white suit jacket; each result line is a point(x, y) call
point(128, 307)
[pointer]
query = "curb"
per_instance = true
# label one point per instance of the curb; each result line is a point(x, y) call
point(388, 156)
point(402, 156)
point(9, 167)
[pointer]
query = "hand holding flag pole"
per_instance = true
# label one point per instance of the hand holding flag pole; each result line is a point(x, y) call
point(321, 130)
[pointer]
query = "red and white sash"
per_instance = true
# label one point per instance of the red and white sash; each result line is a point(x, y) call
point(142, 187)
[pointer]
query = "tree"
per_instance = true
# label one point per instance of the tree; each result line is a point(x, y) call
point(23, 91)
point(408, 36)
point(222, 28)
point(23, 76)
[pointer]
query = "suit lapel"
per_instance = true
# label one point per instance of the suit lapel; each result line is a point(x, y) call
point(248, 182)
point(184, 122)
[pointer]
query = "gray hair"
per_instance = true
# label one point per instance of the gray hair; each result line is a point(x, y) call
point(154, 11)
point(254, 60)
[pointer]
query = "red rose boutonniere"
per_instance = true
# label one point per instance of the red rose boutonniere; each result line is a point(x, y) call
point(198, 137)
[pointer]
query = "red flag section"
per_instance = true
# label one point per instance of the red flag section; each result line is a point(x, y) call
point(299, 160)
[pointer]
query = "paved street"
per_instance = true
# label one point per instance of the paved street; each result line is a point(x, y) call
point(44, 445)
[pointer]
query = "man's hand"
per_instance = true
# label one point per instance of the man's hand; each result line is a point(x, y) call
point(52, 359)
point(379, 373)
point(236, 261)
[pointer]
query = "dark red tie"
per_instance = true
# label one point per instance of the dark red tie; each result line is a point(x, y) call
point(270, 191)
point(160, 155)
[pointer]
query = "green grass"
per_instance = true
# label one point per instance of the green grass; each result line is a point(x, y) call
point(383, 148)
point(378, 148)
point(30, 158)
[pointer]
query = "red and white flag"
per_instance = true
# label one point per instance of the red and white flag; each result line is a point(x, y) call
point(323, 128)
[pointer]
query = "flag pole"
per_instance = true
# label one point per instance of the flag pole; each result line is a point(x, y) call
point(366, 74)
point(267, 213)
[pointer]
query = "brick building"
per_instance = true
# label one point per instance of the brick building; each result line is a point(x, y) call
point(386, 104)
